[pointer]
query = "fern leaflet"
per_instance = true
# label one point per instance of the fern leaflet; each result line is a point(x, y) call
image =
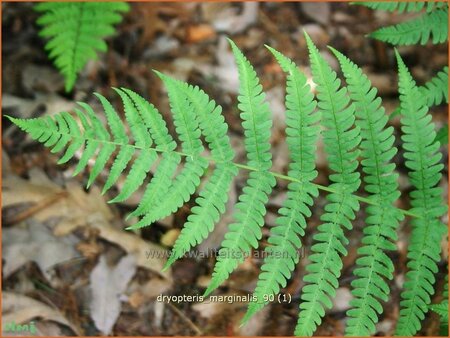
point(377, 152)
point(340, 142)
point(432, 25)
point(302, 132)
point(422, 159)
point(436, 90)
point(249, 216)
point(404, 6)
point(76, 31)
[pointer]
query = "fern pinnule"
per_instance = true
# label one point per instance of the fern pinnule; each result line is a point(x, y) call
point(302, 132)
point(429, 26)
point(213, 198)
point(210, 205)
point(423, 161)
point(341, 141)
point(436, 89)
point(381, 182)
point(99, 136)
point(188, 179)
point(143, 140)
point(250, 209)
point(164, 142)
point(76, 31)
point(402, 6)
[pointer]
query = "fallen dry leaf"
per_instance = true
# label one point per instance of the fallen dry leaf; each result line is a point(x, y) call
point(318, 11)
point(199, 33)
point(21, 309)
point(35, 242)
point(148, 255)
point(107, 285)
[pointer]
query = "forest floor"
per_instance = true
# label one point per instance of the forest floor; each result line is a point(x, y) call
point(62, 242)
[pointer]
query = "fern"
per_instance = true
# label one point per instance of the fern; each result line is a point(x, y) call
point(354, 126)
point(341, 141)
point(422, 158)
point(429, 26)
point(377, 152)
point(436, 90)
point(246, 231)
point(213, 198)
point(442, 308)
point(400, 7)
point(302, 132)
point(76, 31)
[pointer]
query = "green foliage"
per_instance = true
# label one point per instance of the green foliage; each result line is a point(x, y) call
point(423, 161)
point(302, 132)
point(436, 90)
point(250, 210)
point(354, 128)
point(76, 32)
point(442, 308)
point(382, 220)
point(435, 93)
point(341, 140)
point(432, 25)
point(404, 6)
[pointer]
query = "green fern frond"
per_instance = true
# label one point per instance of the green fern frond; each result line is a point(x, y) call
point(423, 161)
point(429, 26)
point(442, 308)
point(302, 132)
point(341, 141)
point(250, 210)
point(161, 182)
point(354, 128)
point(76, 31)
point(381, 182)
point(213, 198)
point(436, 90)
point(404, 6)
point(187, 181)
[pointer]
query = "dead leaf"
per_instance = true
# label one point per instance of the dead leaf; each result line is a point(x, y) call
point(226, 70)
point(169, 238)
point(36, 243)
point(199, 33)
point(341, 302)
point(70, 211)
point(148, 255)
point(318, 11)
point(107, 285)
point(22, 309)
point(229, 20)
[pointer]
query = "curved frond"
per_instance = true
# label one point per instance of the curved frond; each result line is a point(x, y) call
point(378, 149)
point(423, 161)
point(76, 32)
point(429, 26)
point(340, 140)
point(250, 210)
point(302, 131)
